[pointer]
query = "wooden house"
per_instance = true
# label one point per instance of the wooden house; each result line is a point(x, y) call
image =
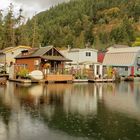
point(46, 59)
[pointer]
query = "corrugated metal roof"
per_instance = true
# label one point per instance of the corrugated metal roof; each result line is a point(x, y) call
point(124, 50)
point(121, 56)
point(120, 59)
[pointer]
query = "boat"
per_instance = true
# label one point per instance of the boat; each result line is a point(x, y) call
point(36, 75)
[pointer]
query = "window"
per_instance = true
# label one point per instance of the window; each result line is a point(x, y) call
point(126, 68)
point(138, 60)
point(88, 53)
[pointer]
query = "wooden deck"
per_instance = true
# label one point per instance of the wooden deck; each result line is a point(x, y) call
point(20, 80)
point(80, 80)
point(59, 78)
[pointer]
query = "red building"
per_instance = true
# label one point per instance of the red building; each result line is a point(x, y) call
point(101, 55)
point(38, 59)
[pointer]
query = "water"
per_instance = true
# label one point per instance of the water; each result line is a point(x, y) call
point(103, 111)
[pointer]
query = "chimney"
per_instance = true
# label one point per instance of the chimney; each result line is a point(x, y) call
point(24, 52)
point(69, 48)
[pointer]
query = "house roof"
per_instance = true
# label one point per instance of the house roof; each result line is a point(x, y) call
point(79, 50)
point(121, 56)
point(40, 52)
point(57, 58)
point(10, 49)
point(118, 46)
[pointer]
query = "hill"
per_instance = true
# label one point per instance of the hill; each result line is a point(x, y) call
point(80, 23)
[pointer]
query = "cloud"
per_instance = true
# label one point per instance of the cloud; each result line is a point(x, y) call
point(40, 3)
point(30, 7)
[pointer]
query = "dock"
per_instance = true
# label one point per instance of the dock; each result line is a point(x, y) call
point(58, 78)
point(101, 80)
point(21, 80)
point(80, 80)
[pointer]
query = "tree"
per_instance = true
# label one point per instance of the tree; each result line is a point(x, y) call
point(9, 25)
point(1, 30)
point(80, 41)
point(137, 42)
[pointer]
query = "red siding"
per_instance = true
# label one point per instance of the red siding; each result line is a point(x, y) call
point(29, 61)
point(101, 56)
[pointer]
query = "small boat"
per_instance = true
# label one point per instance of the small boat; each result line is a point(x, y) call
point(36, 75)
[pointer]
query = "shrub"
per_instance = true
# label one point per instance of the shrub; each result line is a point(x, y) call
point(23, 73)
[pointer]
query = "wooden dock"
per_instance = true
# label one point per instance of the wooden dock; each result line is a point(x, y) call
point(20, 80)
point(57, 78)
point(80, 80)
point(101, 80)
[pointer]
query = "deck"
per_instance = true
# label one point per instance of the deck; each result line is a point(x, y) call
point(101, 80)
point(20, 80)
point(58, 78)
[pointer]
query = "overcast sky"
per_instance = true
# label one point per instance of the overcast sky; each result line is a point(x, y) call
point(30, 7)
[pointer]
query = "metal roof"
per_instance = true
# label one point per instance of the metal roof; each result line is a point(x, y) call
point(124, 50)
point(121, 56)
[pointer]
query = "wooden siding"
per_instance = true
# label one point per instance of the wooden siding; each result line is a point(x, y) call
point(30, 62)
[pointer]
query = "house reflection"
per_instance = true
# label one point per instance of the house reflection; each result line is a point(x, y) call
point(80, 100)
point(123, 98)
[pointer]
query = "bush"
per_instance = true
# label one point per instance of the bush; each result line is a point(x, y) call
point(23, 73)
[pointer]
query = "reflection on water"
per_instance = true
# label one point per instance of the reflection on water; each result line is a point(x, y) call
point(101, 111)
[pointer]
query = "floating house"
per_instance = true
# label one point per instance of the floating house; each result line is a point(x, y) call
point(84, 60)
point(79, 56)
point(125, 60)
point(46, 59)
point(37, 59)
point(7, 55)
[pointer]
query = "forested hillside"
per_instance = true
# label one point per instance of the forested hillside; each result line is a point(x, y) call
point(79, 23)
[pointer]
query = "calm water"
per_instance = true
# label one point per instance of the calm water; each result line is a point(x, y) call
point(105, 111)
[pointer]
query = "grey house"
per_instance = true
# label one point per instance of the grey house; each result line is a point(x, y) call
point(125, 60)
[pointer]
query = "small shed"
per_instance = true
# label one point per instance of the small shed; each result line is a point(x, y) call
point(125, 60)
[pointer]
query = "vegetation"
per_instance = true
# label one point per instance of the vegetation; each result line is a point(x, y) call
point(23, 73)
point(78, 23)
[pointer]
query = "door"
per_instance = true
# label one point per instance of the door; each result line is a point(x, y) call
point(132, 70)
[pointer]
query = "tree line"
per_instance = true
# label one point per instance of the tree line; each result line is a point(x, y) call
point(78, 23)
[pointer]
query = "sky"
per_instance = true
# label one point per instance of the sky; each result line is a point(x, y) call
point(30, 7)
